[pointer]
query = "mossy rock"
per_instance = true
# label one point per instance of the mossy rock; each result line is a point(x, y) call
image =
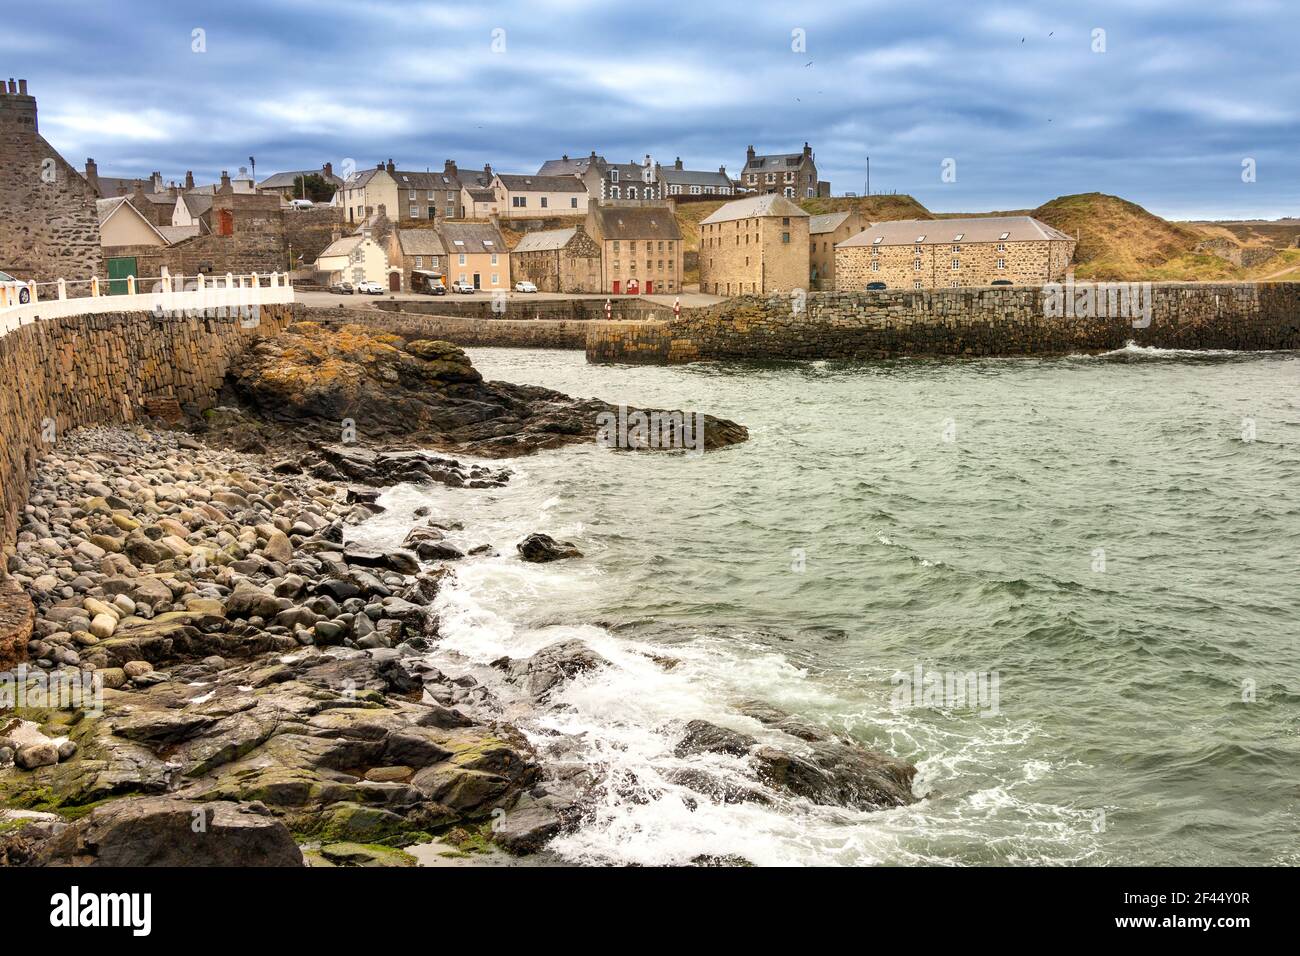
point(365, 854)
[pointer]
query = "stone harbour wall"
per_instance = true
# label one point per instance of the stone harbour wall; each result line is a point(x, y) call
point(524, 306)
point(60, 374)
point(507, 333)
point(1003, 321)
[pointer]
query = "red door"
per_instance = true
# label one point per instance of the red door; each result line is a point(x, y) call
point(649, 286)
point(632, 287)
point(616, 287)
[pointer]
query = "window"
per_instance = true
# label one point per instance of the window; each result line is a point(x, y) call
point(451, 195)
point(1005, 235)
point(412, 195)
point(613, 192)
point(1002, 263)
point(917, 284)
point(519, 202)
point(695, 190)
point(1002, 247)
point(789, 192)
point(959, 237)
point(631, 192)
point(496, 279)
point(916, 265)
point(543, 202)
point(573, 203)
point(956, 264)
point(431, 196)
point(956, 248)
point(785, 221)
point(875, 266)
point(415, 212)
point(956, 284)
point(419, 262)
point(494, 261)
point(613, 175)
point(461, 261)
point(433, 262)
point(875, 250)
point(616, 245)
point(785, 237)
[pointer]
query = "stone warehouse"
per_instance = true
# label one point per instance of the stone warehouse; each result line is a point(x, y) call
point(558, 260)
point(640, 248)
point(755, 245)
point(824, 234)
point(49, 226)
point(953, 253)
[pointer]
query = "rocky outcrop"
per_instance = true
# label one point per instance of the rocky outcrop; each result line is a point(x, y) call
point(420, 393)
point(542, 548)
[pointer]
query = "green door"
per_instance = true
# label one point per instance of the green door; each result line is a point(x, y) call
point(118, 270)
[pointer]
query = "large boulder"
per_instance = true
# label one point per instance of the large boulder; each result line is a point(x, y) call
point(164, 831)
point(542, 548)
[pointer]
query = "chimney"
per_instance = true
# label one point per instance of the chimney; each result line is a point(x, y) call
point(722, 169)
point(807, 151)
point(487, 170)
point(593, 155)
point(92, 175)
point(379, 165)
point(156, 182)
point(565, 157)
point(335, 234)
point(17, 108)
point(749, 154)
point(390, 167)
point(678, 163)
point(328, 170)
point(449, 168)
point(225, 179)
point(189, 179)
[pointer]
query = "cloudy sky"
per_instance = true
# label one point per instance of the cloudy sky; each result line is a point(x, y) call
point(1020, 95)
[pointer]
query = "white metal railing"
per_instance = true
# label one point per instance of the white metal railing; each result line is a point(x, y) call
point(22, 303)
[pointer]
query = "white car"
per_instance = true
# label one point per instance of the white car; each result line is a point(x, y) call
point(18, 291)
point(301, 203)
point(525, 287)
point(462, 287)
point(370, 288)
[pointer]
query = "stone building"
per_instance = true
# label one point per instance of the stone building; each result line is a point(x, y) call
point(792, 175)
point(679, 181)
point(754, 245)
point(631, 180)
point(953, 253)
point(354, 259)
point(824, 234)
point(407, 194)
point(415, 250)
point(287, 185)
point(49, 226)
point(640, 248)
point(558, 260)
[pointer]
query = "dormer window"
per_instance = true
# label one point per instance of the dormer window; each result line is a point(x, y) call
point(613, 175)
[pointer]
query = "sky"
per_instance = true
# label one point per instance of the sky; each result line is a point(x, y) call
point(968, 106)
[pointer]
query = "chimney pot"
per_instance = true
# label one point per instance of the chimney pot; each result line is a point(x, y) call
point(22, 87)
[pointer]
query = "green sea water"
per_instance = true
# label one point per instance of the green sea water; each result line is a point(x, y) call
point(1112, 541)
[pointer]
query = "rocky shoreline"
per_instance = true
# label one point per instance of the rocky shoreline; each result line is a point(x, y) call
point(241, 685)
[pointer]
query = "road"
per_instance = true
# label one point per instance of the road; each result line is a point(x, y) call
point(328, 299)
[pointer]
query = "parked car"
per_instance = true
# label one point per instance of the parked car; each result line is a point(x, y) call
point(462, 287)
point(436, 289)
point(370, 288)
point(875, 286)
point(525, 286)
point(24, 293)
point(342, 288)
point(428, 282)
point(301, 203)
point(1003, 282)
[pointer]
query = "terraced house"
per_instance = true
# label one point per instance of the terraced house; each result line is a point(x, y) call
point(558, 260)
point(476, 254)
point(792, 175)
point(676, 180)
point(640, 248)
point(953, 253)
point(533, 196)
point(405, 193)
point(754, 246)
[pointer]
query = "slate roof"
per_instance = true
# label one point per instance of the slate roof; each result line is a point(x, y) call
point(907, 232)
point(341, 247)
point(694, 177)
point(636, 222)
point(568, 166)
point(420, 242)
point(545, 241)
point(826, 223)
point(541, 184)
point(770, 204)
point(774, 161)
point(286, 180)
point(475, 237)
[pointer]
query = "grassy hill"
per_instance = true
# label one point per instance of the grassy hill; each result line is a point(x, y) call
point(1117, 239)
